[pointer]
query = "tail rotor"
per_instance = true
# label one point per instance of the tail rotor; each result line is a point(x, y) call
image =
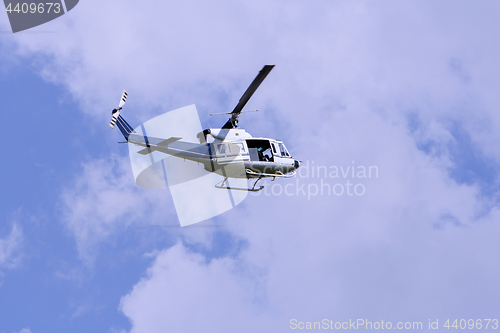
point(116, 112)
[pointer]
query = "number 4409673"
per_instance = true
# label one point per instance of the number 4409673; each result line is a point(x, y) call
point(34, 8)
point(472, 324)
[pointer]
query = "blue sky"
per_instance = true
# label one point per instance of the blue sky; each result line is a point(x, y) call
point(409, 87)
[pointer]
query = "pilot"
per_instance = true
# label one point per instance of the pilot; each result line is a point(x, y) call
point(261, 155)
point(265, 155)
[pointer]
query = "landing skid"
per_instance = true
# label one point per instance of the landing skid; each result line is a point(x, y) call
point(222, 185)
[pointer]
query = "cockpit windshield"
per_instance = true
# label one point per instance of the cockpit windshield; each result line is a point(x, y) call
point(283, 150)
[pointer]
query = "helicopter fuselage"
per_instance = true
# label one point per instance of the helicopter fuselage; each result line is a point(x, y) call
point(229, 152)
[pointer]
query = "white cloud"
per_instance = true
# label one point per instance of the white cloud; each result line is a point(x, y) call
point(25, 330)
point(180, 288)
point(10, 246)
point(104, 199)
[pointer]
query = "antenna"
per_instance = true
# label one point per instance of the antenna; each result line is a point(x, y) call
point(216, 114)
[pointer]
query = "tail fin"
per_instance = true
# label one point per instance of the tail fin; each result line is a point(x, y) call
point(124, 127)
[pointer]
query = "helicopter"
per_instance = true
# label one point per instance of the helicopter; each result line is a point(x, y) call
point(229, 151)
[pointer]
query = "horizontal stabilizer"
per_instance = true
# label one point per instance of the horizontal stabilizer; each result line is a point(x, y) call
point(146, 151)
point(164, 143)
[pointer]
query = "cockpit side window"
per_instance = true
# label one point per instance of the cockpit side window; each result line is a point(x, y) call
point(274, 148)
point(260, 150)
point(222, 148)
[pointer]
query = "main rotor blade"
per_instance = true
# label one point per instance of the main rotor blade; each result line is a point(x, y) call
point(231, 123)
point(251, 89)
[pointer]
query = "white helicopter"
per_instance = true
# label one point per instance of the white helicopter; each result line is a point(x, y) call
point(228, 151)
